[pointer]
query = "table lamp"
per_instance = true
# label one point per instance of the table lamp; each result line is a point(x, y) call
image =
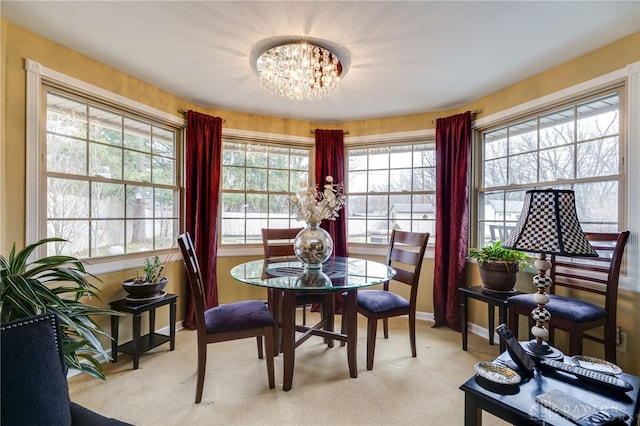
point(548, 224)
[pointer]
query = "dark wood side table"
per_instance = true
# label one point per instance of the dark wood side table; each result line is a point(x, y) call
point(141, 344)
point(517, 404)
point(493, 300)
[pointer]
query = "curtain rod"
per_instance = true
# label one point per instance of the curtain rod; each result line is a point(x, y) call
point(474, 112)
point(184, 111)
point(345, 132)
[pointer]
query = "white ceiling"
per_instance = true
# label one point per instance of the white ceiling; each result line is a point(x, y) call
point(405, 56)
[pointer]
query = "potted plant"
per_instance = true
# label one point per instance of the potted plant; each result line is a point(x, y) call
point(148, 286)
point(55, 284)
point(498, 266)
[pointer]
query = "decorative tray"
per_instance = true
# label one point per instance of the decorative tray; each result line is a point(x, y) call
point(596, 364)
point(497, 373)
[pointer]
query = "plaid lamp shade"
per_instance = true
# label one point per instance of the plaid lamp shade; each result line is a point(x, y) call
point(549, 224)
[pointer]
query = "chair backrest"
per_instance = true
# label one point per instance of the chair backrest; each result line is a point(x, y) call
point(278, 242)
point(194, 277)
point(406, 252)
point(597, 275)
point(34, 386)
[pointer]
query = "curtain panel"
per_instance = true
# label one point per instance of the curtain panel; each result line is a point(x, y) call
point(202, 189)
point(453, 147)
point(330, 162)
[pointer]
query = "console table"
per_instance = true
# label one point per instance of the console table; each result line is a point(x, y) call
point(141, 344)
point(517, 404)
point(493, 299)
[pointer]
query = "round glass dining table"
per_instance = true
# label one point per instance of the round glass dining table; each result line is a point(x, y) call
point(288, 278)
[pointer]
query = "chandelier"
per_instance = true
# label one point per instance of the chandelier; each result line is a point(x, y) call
point(299, 70)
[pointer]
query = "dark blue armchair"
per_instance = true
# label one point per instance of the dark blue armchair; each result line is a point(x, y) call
point(34, 383)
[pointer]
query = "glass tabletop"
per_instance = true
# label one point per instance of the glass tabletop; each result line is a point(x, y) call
point(338, 273)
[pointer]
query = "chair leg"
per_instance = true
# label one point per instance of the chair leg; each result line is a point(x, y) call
point(412, 334)
point(202, 366)
point(259, 343)
point(575, 342)
point(372, 326)
point(343, 324)
point(269, 343)
point(385, 326)
point(610, 344)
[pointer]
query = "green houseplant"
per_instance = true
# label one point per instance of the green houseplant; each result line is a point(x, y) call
point(498, 266)
point(55, 284)
point(149, 285)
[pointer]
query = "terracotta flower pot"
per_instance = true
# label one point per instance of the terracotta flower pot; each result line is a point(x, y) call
point(499, 277)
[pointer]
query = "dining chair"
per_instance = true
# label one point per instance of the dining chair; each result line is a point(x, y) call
point(405, 255)
point(590, 297)
point(278, 246)
point(232, 321)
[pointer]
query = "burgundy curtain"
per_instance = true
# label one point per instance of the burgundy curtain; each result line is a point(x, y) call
point(330, 162)
point(202, 183)
point(453, 145)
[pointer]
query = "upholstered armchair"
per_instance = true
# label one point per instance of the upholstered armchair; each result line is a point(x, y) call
point(34, 377)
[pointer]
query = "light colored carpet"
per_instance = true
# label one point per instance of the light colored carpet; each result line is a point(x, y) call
point(400, 390)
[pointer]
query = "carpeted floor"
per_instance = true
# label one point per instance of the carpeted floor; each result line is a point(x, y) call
point(400, 390)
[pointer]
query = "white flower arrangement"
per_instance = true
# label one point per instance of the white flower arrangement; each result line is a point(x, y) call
point(313, 206)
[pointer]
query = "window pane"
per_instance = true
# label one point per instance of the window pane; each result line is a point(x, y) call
point(164, 170)
point(556, 164)
point(107, 200)
point(378, 181)
point(523, 137)
point(523, 168)
point(107, 237)
point(76, 232)
point(164, 142)
point(137, 166)
point(105, 126)
point(67, 198)
point(66, 155)
point(279, 180)
point(137, 135)
point(139, 235)
point(256, 179)
point(66, 116)
point(599, 158)
point(556, 129)
point(139, 201)
point(105, 161)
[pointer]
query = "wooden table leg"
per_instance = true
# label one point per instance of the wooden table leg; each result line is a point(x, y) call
point(472, 412)
point(492, 325)
point(288, 338)
point(135, 344)
point(172, 325)
point(115, 320)
point(352, 331)
point(464, 313)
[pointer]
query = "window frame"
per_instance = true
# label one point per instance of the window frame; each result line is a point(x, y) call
point(35, 206)
point(540, 152)
point(628, 76)
point(425, 136)
point(264, 144)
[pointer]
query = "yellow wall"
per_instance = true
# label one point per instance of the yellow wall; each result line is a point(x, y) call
point(19, 44)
